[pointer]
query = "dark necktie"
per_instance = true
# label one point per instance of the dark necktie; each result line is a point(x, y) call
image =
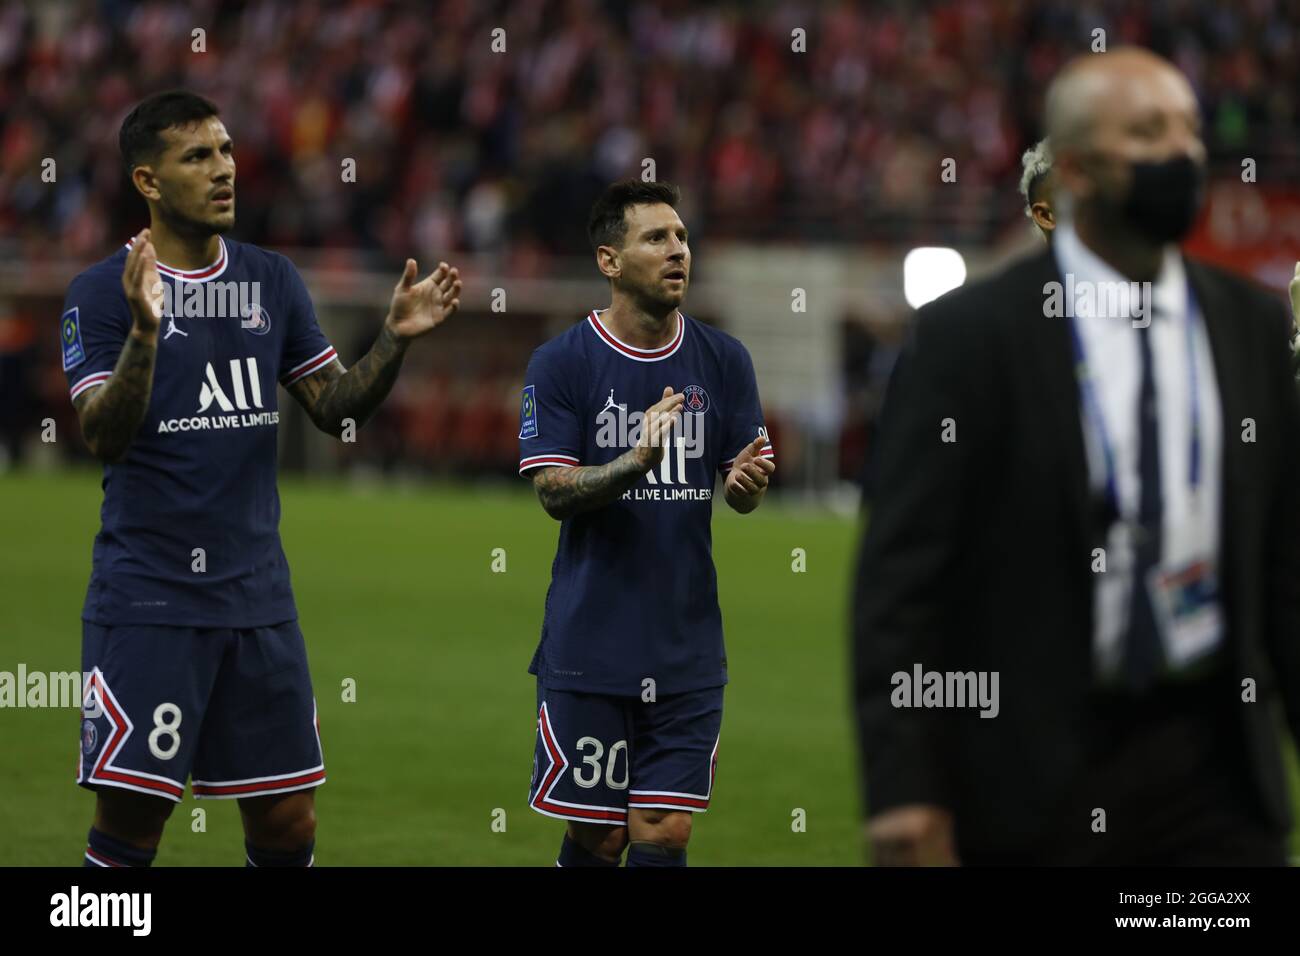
point(1142, 651)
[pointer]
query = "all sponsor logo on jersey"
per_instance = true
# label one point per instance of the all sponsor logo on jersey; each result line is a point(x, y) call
point(238, 404)
point(211, 389)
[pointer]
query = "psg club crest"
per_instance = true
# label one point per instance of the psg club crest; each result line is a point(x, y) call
point(257, 321)
point(697, 399)
point(89, 737)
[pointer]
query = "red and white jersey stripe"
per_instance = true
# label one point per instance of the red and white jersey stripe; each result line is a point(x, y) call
point(210, 271)
point(259, 786)
point(541, 461)
point(313, 364)
point(631, 351)
point(90, 381)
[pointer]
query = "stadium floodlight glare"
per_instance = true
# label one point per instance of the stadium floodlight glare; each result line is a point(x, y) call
point(929, 272)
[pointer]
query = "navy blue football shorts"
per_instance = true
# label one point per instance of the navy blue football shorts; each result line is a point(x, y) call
point(596, 754)
point(231, 708)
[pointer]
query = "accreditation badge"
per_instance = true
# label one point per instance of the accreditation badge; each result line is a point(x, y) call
point(1188, 612)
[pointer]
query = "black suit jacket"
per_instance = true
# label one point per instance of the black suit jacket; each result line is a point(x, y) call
point(977, 554)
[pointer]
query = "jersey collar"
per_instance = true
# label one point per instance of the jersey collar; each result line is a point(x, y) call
point(631, 351)
point(195, 275)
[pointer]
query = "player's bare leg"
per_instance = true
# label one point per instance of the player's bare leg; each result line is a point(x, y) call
point(593, 844)
point(132, 817)
point(127, 829)
point(658, 837)
point(280, 829)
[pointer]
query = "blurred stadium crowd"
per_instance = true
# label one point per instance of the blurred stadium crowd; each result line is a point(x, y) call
point(464, 149)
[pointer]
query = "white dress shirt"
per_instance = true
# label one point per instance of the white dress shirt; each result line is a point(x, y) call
point(1191, 523)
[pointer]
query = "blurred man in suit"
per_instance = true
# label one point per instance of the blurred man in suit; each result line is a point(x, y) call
point(1086, 503)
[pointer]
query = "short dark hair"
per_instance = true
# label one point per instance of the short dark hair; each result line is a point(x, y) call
point(138, 139)
point(607, 224)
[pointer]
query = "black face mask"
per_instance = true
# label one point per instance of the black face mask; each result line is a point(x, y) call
point(1164, 198)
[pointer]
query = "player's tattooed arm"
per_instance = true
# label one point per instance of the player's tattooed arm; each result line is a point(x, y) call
point(565, 492)
point(110, 414)
point(569, 491)
point(333, 395)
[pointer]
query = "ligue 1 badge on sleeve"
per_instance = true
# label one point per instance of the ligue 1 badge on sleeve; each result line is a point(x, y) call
point(697, 399)
point(70, 339)
point(528, 413)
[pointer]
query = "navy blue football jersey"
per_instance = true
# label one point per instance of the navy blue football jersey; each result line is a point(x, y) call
point(190, 522)
point(633, 592)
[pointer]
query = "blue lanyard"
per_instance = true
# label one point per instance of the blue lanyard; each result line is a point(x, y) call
point(1092, 406)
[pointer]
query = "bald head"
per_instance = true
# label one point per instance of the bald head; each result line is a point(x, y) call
point(1108, 114)
point(1100, 91)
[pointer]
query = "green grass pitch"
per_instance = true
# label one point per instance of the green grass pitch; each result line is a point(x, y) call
point(395, 590)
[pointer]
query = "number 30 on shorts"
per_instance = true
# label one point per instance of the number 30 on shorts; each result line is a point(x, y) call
point(588, 778)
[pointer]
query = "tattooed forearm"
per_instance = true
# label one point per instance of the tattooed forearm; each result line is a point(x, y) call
point(569, 491)
point(333, 395)
point(111, 413)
